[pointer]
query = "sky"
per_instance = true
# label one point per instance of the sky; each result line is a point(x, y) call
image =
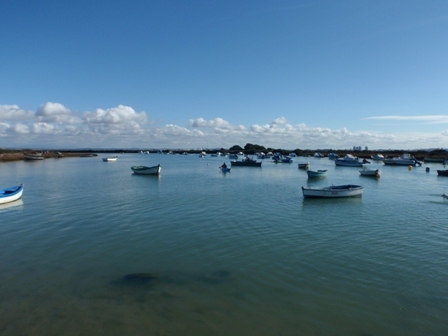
point(302, 74)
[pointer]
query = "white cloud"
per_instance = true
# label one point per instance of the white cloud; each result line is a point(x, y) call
point(217, 123)
point(4, 127)
point(14, 113)
point(21, 129)
point(55, 125)
point(279, 121)
point(116, 115)
point(433, 119)
point(56, 113)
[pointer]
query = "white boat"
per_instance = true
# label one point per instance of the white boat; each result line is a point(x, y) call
point(347, 190)
point(370, 172)
point(233, 156)
point(11, 194)
point(318, 155)
point(378, 157)
point(110, 159)
point(333, 156)
point(202, 154)
point(403, 160)
point(348, 161)
point(34, 156)
point(143, 170)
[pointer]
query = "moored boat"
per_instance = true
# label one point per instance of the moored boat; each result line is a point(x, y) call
point(305, 165)
point(110, 159)
point(442, 172)
point(403, 160)
point(370, 172)
point(347, 190)
point(377, 157)
point(144, 170)
point(34, 156)
point(11, 194)
point(317, 173)
point(246, 162)
point(348, 161)
point(433, 160)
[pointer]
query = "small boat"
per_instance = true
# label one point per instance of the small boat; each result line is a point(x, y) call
point(317, 173)
point(318, 155)
point(34, 156)
point(403, 160)
point(333, 156)
point(233, 156)
point(370, 172)
point(202, 154)
point(442, 172)
point(445, 195)
point(305, 165)
point(377, 157)
point(348, 161)
point(225, 169)
point(431, 160)
point(246, 162)
point(282, 159)
point(347, 190)
point(155, 170)
point(11, 194)
point(110, 159)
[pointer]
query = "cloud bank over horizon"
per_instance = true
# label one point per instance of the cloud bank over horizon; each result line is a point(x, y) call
point(54, 125)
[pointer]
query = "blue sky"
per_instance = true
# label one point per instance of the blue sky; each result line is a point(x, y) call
point(190, 74)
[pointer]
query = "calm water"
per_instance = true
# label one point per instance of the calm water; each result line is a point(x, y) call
point(240, 253)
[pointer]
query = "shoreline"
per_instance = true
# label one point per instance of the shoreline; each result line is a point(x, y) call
point(15, 155)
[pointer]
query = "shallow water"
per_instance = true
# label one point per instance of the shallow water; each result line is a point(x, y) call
point(237, 253)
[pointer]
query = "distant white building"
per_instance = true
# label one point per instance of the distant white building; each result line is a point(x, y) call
point(356, 148)
point(367, 148)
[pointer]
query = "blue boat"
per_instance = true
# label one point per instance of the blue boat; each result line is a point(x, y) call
point(316, 173)
point(11, 194)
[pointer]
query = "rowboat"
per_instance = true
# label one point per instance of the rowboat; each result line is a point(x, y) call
point(316, 173)
point(225, 169)
point(143, 170)
point(347, 190)
point(11, 194)
point(305, 165)
point(433, 160)
point(442, 172)
point(110, 159)
point(370, 172)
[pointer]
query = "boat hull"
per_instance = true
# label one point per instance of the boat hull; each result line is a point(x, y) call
point(442, 172)
point(143, 170)
point(318, 173)
point(347, 163)
point(110, 159)
point(370, 172)
point(11, 194)
point(245, 163)
point(333, 191)
point(399, 162)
